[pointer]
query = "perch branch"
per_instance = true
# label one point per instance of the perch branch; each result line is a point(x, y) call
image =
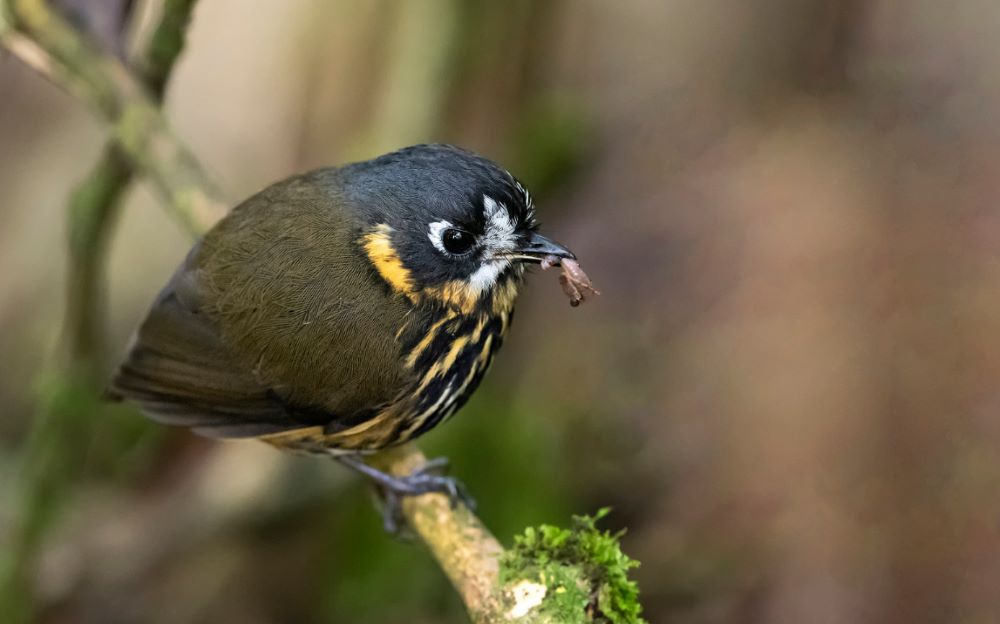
point(464, 548)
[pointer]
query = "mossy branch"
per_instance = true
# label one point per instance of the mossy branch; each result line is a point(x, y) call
point(496, 586)
point(551, 575)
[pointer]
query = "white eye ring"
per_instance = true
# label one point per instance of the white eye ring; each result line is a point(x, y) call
point(436, 232)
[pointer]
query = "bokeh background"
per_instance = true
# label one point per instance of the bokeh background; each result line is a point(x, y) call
point(787, 393)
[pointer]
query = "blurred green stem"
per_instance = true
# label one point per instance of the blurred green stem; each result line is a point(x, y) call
point(56, 445)
point(96, 203)
point(93, 207)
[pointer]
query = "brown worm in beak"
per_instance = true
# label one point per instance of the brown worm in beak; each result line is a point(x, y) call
point(575, 283)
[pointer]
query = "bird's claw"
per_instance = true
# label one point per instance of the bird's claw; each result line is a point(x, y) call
point(424, 480)
point(427, 479)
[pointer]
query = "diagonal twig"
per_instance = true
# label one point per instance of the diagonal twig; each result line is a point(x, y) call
point(96, 202)
point(33, 32)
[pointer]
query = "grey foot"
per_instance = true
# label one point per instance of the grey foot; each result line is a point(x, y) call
point(427, 479)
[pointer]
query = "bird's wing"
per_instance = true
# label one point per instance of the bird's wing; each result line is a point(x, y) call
point(180, 372)
point(273, 323)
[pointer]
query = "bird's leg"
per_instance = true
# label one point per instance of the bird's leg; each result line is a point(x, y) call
point(424, 480)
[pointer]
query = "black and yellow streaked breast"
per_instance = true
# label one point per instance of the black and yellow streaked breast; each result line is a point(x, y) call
point(446, 356)
point(446, 344)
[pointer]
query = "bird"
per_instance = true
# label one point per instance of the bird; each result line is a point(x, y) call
point(343, 311)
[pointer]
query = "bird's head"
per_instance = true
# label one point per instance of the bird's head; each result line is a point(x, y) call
point(445, 225)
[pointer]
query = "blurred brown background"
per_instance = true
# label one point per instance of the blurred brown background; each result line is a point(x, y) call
point(787, 392)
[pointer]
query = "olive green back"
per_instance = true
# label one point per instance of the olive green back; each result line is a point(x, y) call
point(274, 321)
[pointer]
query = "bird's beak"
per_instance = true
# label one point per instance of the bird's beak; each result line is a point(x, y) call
point(536, 247)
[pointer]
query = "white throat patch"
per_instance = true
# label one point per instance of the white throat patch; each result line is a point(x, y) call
point(486, 275)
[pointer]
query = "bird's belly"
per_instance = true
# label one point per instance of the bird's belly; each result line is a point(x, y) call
point(448, 363)
point(447, 378)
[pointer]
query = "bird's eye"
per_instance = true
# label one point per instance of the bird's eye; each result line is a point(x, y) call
point(457, 241)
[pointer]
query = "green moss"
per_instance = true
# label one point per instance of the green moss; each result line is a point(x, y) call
point(584, 569)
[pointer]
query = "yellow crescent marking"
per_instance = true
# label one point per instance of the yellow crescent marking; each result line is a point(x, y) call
point(378, 246)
